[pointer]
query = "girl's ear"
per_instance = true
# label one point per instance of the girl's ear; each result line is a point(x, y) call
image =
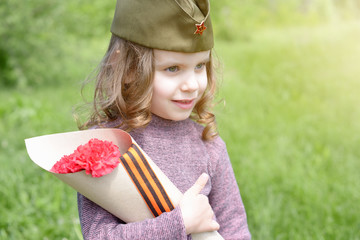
point(125, 69)
point(113, 59)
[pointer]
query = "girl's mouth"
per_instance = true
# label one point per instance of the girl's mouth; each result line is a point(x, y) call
point(184, 104)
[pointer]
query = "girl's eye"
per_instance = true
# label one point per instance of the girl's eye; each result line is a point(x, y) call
point(200, 66)
point(172, 69)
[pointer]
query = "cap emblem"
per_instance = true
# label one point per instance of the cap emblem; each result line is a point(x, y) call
point(200, 28)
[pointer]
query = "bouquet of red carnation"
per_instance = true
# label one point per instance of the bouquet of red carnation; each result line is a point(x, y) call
point(96, 157)
point(115, 191)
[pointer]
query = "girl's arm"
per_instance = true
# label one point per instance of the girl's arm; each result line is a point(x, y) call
point(195, 216)
point(225, 197)
point(97, 223)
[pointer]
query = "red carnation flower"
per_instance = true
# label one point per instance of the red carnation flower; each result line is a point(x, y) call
point(96, 157)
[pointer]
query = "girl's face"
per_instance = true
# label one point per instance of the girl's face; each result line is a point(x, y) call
point(180, 79)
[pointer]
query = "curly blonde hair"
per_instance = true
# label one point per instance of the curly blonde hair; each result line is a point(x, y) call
point(124, 86)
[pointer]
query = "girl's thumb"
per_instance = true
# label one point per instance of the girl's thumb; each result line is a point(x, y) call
point(199, 184)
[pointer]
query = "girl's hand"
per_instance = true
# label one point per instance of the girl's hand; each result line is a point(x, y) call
point(195, 208)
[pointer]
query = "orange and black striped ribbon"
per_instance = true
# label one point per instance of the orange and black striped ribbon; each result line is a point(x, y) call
point(146, 181)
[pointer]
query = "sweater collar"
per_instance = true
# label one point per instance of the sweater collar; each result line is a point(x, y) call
point(165, 128)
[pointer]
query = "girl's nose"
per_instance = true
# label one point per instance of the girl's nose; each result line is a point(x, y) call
point(191, 83)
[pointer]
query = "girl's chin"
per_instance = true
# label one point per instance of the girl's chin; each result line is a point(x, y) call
point(174, 117)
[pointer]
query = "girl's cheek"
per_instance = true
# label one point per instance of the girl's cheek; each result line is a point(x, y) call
point(203, 83)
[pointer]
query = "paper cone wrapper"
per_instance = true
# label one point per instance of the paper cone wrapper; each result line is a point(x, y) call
point(115, 191)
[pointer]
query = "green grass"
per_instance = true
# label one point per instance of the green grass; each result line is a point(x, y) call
point(291, 123)
point(34, 205)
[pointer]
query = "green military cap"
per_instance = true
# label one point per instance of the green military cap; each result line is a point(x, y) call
point(173, 25)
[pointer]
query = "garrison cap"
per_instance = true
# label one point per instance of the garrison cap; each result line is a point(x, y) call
point(172, 25)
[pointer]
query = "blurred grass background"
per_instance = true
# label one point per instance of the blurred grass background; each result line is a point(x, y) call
point(291, 119)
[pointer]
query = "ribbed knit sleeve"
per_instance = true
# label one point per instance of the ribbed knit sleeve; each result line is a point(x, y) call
point(224, 196)
point(98, 224)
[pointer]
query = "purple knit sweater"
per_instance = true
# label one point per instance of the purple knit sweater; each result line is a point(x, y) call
point(177, 149)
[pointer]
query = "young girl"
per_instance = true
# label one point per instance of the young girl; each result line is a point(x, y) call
point(157, 82)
